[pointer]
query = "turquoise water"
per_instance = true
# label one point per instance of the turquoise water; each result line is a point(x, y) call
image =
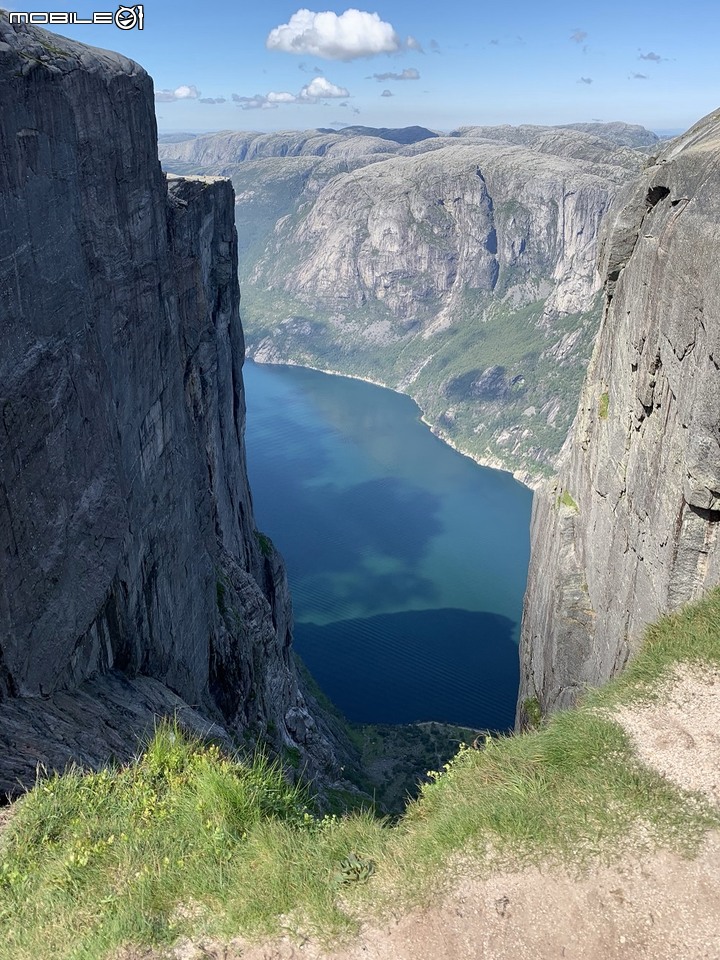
point(407, 562)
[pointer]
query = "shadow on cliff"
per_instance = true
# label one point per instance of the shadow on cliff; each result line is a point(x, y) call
point(449, 665)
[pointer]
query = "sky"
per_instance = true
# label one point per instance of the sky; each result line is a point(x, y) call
point(243, 65)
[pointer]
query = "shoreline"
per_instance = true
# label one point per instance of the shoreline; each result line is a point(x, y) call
point(533, 483)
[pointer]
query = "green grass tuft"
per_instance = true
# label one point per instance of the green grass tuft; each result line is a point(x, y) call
point(566, 500)
point(603, 405)
point(532, 711)
point(265, 544)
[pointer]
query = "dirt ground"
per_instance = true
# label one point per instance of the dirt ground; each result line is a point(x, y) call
point(656, 905)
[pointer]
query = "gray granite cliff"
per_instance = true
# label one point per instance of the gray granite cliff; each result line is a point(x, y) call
point(132, 579)
point(630, 528)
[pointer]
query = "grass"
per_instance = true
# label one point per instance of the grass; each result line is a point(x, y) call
point(603, 405)
point(265, 544)
point(566, 500)
point(188, 842)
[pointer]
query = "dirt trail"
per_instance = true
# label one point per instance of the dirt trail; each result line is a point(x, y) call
point(657, 906)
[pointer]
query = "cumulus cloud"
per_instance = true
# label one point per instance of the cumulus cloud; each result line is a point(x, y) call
point(352, 34)
point(585, 80)
point(577, 36)
point(409, 73)
point(386, 93)
point(412, 43)
point(319, 88)
point(182, 92)
point(655, 57)
point(306, 69)
point(637, 76)
point(212, 100)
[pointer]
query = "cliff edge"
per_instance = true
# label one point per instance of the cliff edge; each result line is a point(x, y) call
point(629, 529)
point(132, 579)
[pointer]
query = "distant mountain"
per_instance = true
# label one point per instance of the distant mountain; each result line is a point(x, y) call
point(403, 135)
point(459, 269)
point(623, 134)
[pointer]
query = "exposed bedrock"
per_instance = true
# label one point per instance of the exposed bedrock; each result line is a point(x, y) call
point(630, 528)
point(127, 540)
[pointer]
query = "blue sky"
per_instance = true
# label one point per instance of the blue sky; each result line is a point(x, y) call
point(440, 65)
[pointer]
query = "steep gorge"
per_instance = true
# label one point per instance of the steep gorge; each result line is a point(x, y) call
point(133, 581)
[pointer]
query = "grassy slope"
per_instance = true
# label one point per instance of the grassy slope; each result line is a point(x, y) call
point(186, 841)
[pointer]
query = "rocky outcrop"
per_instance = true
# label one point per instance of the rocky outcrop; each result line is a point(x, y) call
point(630, 528)
point(127, 540)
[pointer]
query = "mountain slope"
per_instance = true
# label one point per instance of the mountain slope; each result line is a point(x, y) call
point(459, 269)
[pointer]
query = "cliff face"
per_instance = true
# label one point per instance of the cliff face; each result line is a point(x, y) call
point(127, 539)
point(630, 528)
point(459, 269)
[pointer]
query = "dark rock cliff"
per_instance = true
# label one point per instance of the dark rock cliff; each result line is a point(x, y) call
point(132, 579)
point(630, 528)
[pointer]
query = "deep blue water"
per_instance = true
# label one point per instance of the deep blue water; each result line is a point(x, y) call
point(407, 562)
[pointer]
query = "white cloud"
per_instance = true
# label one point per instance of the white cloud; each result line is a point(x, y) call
point(386, 93)
point(352, 34)
point(413, 44)
point(320, 87)
point(179, 93)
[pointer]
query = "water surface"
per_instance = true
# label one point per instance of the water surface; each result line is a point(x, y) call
point(407, 562)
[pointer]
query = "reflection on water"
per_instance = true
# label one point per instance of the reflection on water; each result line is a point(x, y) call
point(407, 562)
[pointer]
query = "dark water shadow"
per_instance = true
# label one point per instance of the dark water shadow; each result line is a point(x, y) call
point(329, 529)
point(449, 665)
